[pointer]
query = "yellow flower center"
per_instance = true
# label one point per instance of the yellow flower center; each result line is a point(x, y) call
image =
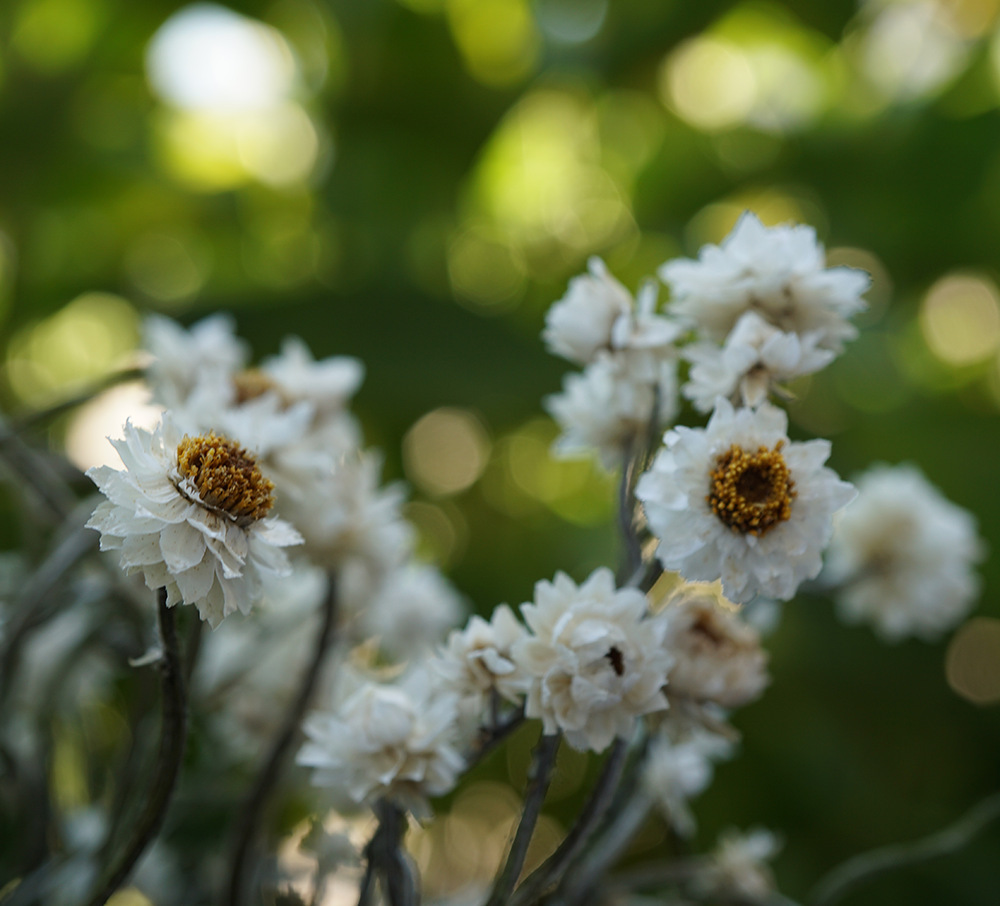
point(226, 476)
point(250, 384)
point(751, 492)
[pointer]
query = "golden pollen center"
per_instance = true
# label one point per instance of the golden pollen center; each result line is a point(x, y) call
point(226, 476)
point(250, 384)
point(751, 492)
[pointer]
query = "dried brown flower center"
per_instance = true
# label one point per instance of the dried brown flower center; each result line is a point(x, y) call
point(250, 384)
point(614, 655)
point(226, 476)
point(751, 492)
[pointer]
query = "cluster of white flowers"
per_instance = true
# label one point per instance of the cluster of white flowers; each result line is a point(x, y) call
point(250, 461)
point(630, 365)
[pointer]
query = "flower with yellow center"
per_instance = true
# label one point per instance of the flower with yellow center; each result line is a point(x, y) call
point(192, 515)
point(737, 501)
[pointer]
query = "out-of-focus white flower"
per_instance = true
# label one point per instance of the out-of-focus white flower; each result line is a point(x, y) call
point(393, 741)
point(755, 357)
point(580, 324)
point(717, 657)
point(609, 406)
point(738, 868)
point(328, 383)
point(675, 772)
point(779, 272)
point(191, 515)
point(478, 659)
point(595, 660)
point(737, 501)
point(209, 350)
point(904, 554)
point(348, 516)
point(411, 610)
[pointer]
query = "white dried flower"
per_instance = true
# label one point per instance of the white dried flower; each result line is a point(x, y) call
point(579, 325)
point(904, 555)
point(675, 772)
point(755, 357)
point(478, 659)
point(778, 272)
point(393, 741)
point(737, 501)
point(328, 383)
point(209, 350)
point(191, 515)
point(347, 516)
point(595, 659)
point(717, 657)
point(411, 610)
point(609, 406)
point(738, 868)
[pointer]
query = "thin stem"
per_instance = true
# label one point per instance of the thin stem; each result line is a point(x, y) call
point(868, 866)
point(39, 416)
point(384, 856)
point(538, 785)
point(491, 737)
point(626, 513)
point(249, 818)
point(611, 845)
point(172, 738)
point(552, 869)
point(35, 471)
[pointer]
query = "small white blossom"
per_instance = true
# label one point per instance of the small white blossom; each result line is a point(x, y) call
point(608, 407)
point(411, 610)
point(191, 515)
point(675, 772)
point(393, 741)
point(904, 555)
point(348, 516)
point(737, 501)
point(717, 657)
point(778, 272)
point(755, 357)
point(478, 659)
point(580, 324)
point(595, 659)
point(328, 383)
point(209, 350)
point(738, 867)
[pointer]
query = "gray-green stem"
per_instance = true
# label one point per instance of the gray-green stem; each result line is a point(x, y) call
point(538, 784)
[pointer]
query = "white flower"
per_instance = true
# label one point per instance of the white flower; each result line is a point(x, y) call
point(411, 610)
point(182, 358)
point(675, 772)
point(478, 658)
point(348, 516)
point(609, 406)
point(580, 324)
point(328, 384)
point(737, 501)
point(738, 867)
point(595, 660)
point(778, 272)
point(717, 656)
point(904, 555)
point(191, 515)
point(393, 740)
point(756, 356)
point(598, 314)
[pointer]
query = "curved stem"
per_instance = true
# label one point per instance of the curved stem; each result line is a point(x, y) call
point(553, 868)
point(868, 866)
point(249, 817)
point(172, 738)
point(626, 514)
point(491, 737)
point(384, 857)
point(538, 785)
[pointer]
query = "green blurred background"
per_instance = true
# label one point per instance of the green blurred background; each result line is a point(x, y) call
point(413, 182)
